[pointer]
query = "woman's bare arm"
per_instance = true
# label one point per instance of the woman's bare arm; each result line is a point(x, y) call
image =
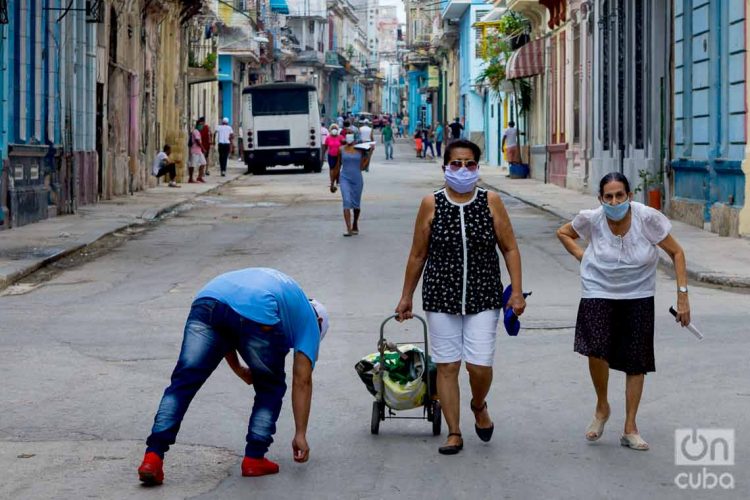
point(568, 236)
point(506, 240)
point(417, 256)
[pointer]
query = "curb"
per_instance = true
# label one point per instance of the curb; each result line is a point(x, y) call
point(150, 215)
point(665, 263)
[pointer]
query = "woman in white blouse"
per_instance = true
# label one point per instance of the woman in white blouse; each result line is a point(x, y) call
point(615, 325)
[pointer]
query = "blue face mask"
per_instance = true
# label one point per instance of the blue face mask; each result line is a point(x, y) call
point(462, 180)
point(616, 212)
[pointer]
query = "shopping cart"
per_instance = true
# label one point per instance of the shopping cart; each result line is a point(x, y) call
point(372, 369)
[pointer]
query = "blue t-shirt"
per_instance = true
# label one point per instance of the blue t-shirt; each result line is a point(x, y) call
point(269, 297)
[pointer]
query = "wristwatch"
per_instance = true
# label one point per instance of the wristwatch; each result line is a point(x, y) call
point(682, 289)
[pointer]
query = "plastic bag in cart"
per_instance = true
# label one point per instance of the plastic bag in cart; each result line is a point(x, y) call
point(403, 375)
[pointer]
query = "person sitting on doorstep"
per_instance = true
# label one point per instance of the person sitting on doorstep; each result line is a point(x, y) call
point(163, 165)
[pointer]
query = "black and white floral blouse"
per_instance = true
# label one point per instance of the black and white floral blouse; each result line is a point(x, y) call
point(462, 274)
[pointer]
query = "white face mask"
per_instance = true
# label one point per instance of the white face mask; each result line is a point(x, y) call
point(335, 131)
point(349, 138)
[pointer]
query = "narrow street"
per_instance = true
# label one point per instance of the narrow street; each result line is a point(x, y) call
point(87, 355)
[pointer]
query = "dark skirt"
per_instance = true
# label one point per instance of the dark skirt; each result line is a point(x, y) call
point(620, 332)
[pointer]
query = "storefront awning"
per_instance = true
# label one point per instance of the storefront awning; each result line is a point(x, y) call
point(279, 6)
point(526, 61)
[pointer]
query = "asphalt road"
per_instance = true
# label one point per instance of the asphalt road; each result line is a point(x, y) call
point(87, 354)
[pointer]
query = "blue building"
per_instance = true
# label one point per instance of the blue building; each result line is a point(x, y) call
point(358, 90)
point(31, 114)
point(472, 101)
point(419, 111)
point(710, 103)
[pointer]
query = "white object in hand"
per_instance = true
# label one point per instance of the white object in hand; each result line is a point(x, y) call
point(693, 329)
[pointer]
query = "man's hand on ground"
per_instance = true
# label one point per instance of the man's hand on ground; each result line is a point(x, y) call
point(301, 449)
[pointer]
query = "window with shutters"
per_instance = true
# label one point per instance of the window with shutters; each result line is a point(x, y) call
point(478, 39)
point(577, 77)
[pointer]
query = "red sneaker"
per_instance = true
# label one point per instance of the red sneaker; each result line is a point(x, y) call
point(150, 472)
point(201, 179)
point(258, 467)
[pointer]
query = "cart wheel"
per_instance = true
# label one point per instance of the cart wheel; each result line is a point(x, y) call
point(437, 418)
point(375, 421)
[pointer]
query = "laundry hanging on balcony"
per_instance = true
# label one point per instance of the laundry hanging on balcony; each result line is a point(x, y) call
point(526, 61)
point(279, 6)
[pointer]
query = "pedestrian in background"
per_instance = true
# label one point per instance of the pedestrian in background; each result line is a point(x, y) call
point(259, 313)
point(163, 165)
point(387, 135)
point(509, 144)
point(224, 136)
point(348, 174)
point(456, 129)
point(399, 127)
point(324, 133)
point(365, 131)
point(615, 325)
point(439, 138)
point(333, 145)
point(206, 143)
point(456, 236)
point(349, 128)
point(197, 159)
point(418, 142)
point(428, 138)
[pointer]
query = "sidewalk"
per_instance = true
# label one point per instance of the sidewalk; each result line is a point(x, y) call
point(25, 249)
point(710, 258)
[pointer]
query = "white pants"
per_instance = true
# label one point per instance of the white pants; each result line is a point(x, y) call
point(456, 337)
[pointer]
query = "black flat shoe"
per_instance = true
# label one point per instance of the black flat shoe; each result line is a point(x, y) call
point(486, 433)
point(454, 448)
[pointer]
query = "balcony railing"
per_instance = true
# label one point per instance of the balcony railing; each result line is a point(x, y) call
point(202, 54)
point(310, 57)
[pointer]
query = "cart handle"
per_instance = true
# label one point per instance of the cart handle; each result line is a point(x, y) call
point(394, 316)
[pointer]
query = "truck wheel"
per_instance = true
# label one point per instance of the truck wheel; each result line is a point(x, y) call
point(258, 169)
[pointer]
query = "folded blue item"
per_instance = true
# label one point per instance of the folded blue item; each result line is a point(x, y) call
point(510, 320)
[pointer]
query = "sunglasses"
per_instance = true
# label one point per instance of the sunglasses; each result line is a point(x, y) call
point(469, 164)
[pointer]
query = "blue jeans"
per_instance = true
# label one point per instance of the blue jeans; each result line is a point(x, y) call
point(388, 150)
point(212, 330)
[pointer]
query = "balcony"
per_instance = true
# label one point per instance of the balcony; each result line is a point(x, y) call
point(454, 9)
point(418, 58)
point(448, 35)
point(311, 58)
point(421, 41)
point(332, 60)
point(202, 62)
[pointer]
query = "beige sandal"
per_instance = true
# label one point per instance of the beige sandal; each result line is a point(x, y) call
point(596, 427)
point(634, 442)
